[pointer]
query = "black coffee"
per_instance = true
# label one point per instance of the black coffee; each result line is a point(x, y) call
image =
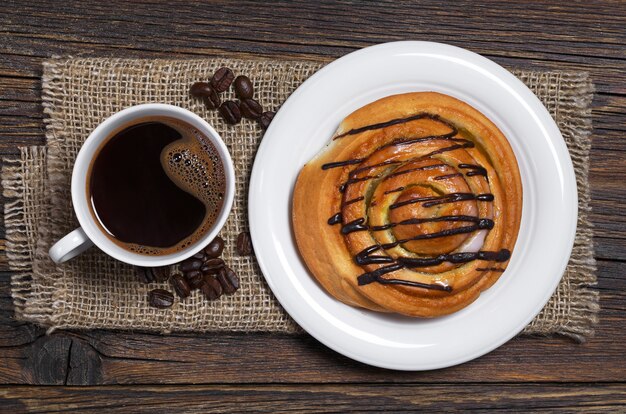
point(156, 186)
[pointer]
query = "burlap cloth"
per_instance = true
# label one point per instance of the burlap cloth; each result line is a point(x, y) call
point(95, 291)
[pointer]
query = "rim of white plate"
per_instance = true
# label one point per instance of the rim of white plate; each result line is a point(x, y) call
point(339, 334)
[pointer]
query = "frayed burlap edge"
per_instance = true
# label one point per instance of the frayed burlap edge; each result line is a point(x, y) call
point(578, 302)
point(577, 305)
point(23, 182)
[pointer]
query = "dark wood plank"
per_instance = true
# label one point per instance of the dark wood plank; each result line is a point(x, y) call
point(522, 29)
point(106, 357)
point(583, 36)
point(535, 33)
point(610, 249)
point(326, 398)
point(535, 36)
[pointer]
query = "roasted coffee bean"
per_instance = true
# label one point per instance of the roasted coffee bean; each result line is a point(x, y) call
point(230, 112)
point(180, 285)
point(212, 99)
point(244, 244)
point(266, 119)
point(152, 274)
point(201, 255)
point(212, 266)
point(191, 264)
point(250, 108)
point(228, 279)
point(215, 248)
point(211, 288)
point(160, 298)
point(206, 270)
point(145, 274)
point(194, 279)
point(200, 89)
point(161, 274)
point(222, 79)
point(243, 87)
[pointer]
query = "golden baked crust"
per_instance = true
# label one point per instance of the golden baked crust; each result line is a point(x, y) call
point(413, 207)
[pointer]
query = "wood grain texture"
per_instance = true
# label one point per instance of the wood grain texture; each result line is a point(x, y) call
point(105, 357)
point(326, 398)
point(274, 372)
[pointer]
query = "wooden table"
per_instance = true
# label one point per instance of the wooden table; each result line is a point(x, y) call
point(231, 372)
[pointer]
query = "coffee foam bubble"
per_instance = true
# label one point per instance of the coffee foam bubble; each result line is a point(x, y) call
point(195, 166)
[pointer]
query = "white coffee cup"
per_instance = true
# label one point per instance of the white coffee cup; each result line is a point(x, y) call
point(90, 233)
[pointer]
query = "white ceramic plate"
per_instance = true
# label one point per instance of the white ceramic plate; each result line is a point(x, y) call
point(305, 124)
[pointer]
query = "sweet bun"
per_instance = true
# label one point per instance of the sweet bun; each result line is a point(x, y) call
point(413, 207)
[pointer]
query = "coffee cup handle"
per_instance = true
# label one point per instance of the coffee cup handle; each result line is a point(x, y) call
point(70, 246)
